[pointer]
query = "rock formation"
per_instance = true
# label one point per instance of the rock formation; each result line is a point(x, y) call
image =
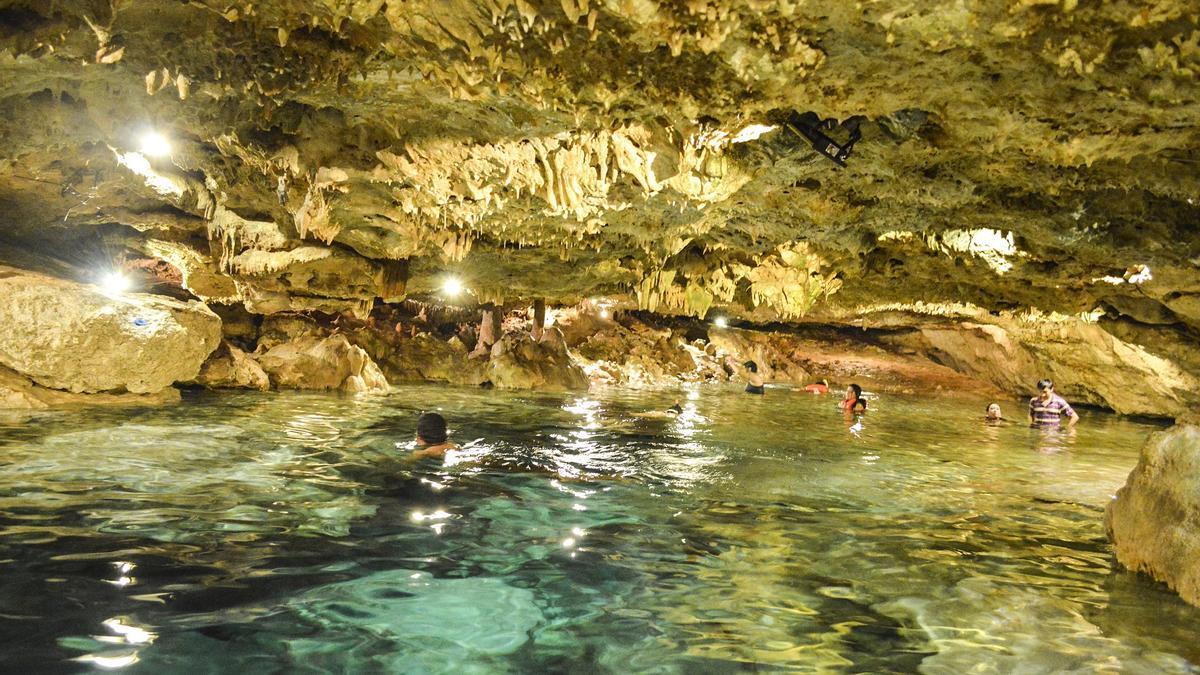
point(1152, 520)
point(231, 368)
point(322, 363)
point(73, 337)
point(18, 392)
point(519, 362)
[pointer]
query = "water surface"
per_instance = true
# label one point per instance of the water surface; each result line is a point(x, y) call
point(284, 532)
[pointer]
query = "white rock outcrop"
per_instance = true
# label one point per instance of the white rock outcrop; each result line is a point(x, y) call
point(1154, 521)
point(71, 336)
point(322, 363)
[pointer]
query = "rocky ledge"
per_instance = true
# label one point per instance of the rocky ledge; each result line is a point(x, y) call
point(1154, 520)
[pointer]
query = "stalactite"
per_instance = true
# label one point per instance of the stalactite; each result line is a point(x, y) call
point(393, 280)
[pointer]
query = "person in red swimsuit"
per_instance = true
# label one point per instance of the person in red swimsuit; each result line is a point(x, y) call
point(821, 387)
point(854, 399)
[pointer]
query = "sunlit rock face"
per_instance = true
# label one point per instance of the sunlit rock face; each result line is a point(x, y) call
point(75, 337)
point(1080, 357)
point(1015, 155)
point(1151, 521)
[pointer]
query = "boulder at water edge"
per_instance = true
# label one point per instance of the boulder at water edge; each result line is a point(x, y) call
point(520, 362)
point(1154, 521)
point(67, 335)
point(322, 363)
point(232, 368)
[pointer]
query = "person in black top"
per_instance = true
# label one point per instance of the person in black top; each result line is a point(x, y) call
point(754, 381)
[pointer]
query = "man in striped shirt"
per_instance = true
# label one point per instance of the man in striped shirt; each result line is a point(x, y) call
point(1047, 408)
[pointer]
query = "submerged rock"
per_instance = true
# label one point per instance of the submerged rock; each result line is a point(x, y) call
point(66, 335)
point(1154, 521)
point(322, 363)
point(231, 368)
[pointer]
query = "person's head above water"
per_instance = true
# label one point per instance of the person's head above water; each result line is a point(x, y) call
point(993, 411)
point(431, 429)
point(751, 366)
point(855, 390)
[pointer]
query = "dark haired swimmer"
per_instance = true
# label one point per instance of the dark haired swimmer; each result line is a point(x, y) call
point(853, 400)
point(1047, 408)
point(431, 435)
point(754, 381)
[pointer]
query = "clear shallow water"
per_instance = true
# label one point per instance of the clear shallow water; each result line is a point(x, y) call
point(281, 533)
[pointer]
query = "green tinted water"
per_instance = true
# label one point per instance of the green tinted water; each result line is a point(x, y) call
point(280, 533)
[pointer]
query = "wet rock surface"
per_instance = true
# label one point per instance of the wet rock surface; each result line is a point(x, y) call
point(20, 393)
point(1152, 520)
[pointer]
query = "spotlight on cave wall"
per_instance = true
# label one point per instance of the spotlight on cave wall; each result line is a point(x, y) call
point(721, 322)
point(452, 286)
point(154, 144)
point(114, 283)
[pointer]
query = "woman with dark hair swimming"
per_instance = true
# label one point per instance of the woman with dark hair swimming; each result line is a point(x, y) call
point(854, 399)
point(754, 381)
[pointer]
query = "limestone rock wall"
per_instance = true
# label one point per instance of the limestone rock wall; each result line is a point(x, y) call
point(1154, 520)
point(71, 336)
point(420, 358)
point(1087, 364)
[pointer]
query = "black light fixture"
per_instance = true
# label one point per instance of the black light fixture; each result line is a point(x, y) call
point(813, 128)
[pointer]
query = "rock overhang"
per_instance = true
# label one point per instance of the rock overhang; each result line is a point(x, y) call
point(325, 154)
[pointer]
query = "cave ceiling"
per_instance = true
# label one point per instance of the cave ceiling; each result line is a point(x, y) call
point(324, 153)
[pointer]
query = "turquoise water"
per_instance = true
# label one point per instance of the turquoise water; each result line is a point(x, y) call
point(283, 533)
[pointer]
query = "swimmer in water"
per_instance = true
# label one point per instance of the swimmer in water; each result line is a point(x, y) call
point(431, 435)
point(854, 400)
point(670, 413)
point(754, 381)
point(821, 387)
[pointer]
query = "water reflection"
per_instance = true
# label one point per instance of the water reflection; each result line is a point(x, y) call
point(573, 533)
